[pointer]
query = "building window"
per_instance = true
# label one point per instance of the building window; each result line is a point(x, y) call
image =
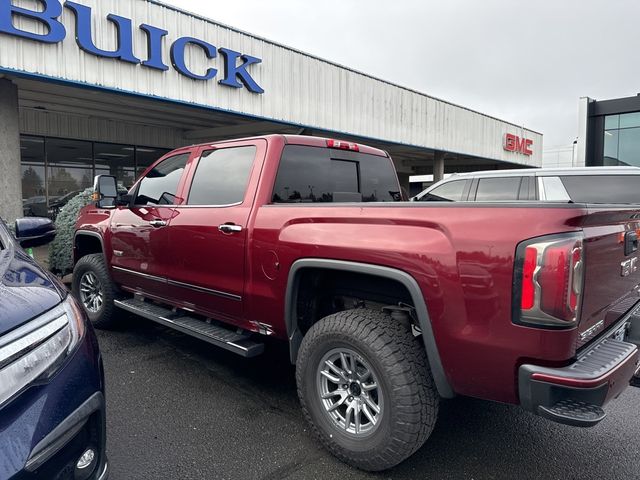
point(116, 160)
point(622, 139)
point(34, 190)
point(54, 170)
point(69, 167)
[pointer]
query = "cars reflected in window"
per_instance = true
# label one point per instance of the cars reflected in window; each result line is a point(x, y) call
point(160, 185)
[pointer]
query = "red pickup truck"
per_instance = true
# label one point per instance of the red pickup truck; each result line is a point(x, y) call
point(387, 306)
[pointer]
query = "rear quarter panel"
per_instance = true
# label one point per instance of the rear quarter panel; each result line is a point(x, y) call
point(460, 254)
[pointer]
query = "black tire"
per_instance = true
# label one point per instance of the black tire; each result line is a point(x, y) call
point(408, 393)
point(103, 316)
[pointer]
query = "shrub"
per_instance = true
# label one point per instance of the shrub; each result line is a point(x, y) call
point(61, 249)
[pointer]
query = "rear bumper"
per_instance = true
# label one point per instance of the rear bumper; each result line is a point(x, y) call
point(574, 394)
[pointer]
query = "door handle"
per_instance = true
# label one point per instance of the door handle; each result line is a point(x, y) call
point(158, 223)
point(229, 228)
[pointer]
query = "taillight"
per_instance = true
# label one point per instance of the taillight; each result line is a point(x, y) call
point(339, 144)
point(548, 281)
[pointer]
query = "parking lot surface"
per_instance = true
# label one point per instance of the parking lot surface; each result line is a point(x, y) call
point(179, 408)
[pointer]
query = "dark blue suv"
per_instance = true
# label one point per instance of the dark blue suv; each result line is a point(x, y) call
point(52, 405)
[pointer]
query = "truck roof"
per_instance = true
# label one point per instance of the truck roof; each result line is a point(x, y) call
point(311, 141)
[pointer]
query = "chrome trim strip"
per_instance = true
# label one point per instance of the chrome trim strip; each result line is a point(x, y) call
point(21, 346)
point(35, 324)
point(176, 283)
point(211, 206)
point(145, 275)
point(197, 288)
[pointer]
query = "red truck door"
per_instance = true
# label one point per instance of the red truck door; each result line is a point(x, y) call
point(139, 235)
point(209, 230)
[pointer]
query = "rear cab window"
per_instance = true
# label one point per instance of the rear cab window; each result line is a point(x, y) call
point(309, 174)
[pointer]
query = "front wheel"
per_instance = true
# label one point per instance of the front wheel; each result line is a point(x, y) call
point(366, 389)
point(93, 288)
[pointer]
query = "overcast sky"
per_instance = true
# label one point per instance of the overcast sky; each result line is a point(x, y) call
point(525, 62)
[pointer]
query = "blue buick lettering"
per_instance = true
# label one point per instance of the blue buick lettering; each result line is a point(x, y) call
point(235, 64)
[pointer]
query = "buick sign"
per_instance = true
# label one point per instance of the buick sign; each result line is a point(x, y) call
point(236, 64)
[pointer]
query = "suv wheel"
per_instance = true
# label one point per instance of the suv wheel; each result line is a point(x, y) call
point(366, 389)
point(94, 290)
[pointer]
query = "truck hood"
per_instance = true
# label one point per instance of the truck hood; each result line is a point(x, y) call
point(26, 290)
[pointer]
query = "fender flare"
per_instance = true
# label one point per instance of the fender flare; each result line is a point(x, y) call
point(295, 336)
point(88, 233)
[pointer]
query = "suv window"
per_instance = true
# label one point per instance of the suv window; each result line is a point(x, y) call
point(498, 189)
point(160, 185)
point(603, 188)
point(222, 176)
point(554, 190)
point(450, 191)
point(314, 174)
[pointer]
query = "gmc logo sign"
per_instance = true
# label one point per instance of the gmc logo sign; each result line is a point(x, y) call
point(513, 143)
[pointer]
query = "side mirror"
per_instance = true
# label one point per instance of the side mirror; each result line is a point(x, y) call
point(106, 191)
point(34, 231)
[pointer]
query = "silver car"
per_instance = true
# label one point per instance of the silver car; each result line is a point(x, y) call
point(615, 185)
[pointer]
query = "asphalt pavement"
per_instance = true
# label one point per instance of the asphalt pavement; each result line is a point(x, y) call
point(179, 408)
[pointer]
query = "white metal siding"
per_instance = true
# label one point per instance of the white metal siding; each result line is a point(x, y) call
point(64, 125)
point(299, 89)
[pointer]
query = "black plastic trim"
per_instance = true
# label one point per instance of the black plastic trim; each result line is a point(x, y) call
point(59, 436)
point(295, 336)
point(89, 233)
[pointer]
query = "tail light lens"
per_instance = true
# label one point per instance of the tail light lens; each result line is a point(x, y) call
point(548, 281)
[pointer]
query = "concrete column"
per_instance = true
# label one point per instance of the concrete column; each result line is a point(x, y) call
point(438, 166)
point(10, 176)
point(580, 159)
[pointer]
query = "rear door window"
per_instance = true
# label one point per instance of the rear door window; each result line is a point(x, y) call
point(603, 188)
point(222, 176)
point(313, 174)
point(452, 191)
point(498, 189)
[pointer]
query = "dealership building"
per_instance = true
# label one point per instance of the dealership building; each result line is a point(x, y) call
point(609, 132)
point(108, 86)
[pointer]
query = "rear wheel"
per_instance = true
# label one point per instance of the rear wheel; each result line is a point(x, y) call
point(94, 290)
point(365, 388)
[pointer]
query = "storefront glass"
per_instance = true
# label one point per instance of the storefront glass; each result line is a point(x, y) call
point(622, 139)
point(54, 170)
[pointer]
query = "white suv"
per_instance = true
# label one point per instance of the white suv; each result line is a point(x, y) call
point(617, 185)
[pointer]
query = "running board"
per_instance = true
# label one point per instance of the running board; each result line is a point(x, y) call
point(226, 338)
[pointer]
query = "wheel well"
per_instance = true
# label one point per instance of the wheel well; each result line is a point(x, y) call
point(315, 283)
point(320, 292)
point(86, 245)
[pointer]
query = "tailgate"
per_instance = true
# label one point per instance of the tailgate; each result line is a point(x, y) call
point(611, 268)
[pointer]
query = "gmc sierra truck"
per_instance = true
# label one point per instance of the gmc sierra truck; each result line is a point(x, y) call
point(388, 307)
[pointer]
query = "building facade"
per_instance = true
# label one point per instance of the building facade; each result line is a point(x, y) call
point(108, 86)
point(610, 131)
